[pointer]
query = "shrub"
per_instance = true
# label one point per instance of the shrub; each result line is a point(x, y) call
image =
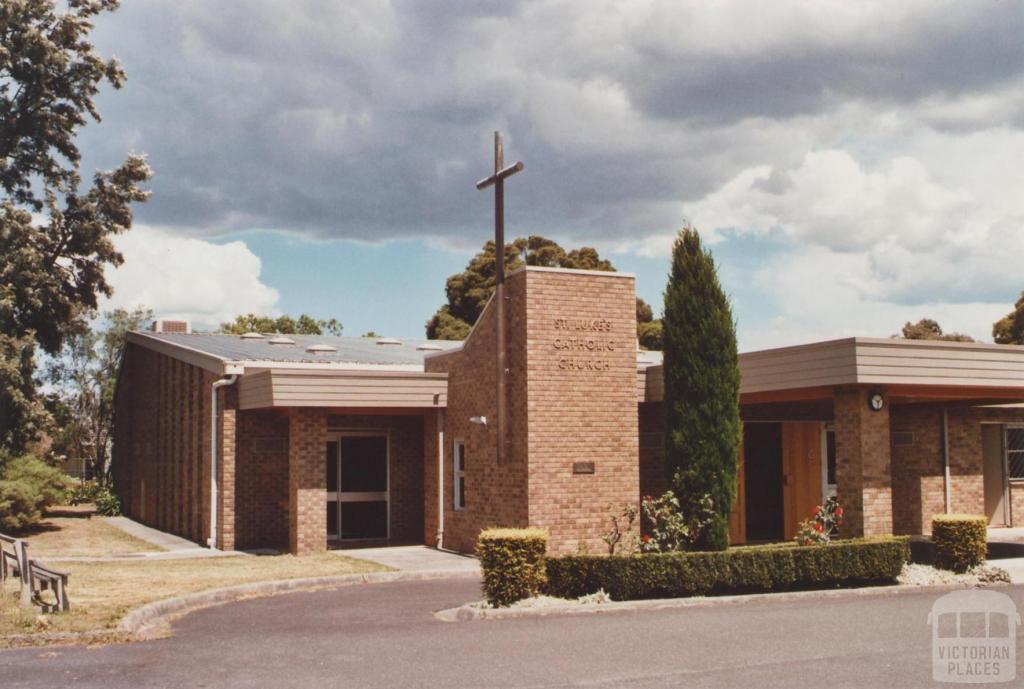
point(513, 563)
point(738, 570)
point(621, 532)
point(107, 503)
point(664, 524)
point(27, 487)
point(49, 482)
point(19, 506)
point(960, 541)
point(823, 523)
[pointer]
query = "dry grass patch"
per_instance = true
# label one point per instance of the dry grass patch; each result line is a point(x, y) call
point(102, 593)
point(76, 532)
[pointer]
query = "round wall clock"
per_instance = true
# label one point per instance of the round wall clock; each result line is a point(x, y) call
point(876, 401)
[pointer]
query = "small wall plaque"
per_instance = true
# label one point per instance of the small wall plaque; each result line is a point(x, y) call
point(582, 467)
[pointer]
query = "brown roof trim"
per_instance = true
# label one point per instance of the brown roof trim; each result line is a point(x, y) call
point(195, 357)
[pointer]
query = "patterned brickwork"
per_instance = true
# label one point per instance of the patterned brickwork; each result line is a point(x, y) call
point(161, 462)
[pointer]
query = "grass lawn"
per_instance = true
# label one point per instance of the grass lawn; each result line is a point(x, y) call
point(103, 592)
point(77, 532)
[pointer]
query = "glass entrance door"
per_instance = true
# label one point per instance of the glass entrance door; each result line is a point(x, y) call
point(357, 487)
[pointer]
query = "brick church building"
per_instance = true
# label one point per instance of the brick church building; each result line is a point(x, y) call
point(301, 443)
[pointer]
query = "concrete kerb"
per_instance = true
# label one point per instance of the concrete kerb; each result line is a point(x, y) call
point(139, 621)
point(469, 612)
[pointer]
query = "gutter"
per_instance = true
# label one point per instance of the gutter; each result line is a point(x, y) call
point(223, 382)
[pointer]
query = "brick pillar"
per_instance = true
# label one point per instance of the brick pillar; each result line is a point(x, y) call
point(307, 481)
point(863, 458)
point(226, 468)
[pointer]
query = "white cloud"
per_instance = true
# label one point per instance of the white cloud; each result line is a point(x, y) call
point(817, 293)
point(866, 248)
point(180, 277)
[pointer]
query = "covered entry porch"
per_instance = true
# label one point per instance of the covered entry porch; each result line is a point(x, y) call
point(335, 460)
point(905, 430)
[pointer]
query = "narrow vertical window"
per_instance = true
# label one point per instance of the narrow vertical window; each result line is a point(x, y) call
point(1015, 451)
point(459, 472)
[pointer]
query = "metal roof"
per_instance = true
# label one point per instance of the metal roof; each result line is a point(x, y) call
point(214, 350)
point(350, 350)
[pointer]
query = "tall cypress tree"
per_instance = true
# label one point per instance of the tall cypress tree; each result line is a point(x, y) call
point(702, 383)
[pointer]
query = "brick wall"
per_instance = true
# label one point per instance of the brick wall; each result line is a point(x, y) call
point(863, 458)
point(918, 484)
point(966, 459)
point(432, 423)
point(161, 457)
point(307, 480)
point(571, 399)
point(580, 339)
point(496, 494)
point(261, 479)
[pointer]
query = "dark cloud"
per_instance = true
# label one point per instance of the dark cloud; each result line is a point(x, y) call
point(372, 121)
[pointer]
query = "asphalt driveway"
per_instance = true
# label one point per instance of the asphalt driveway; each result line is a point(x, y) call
point(385, 635)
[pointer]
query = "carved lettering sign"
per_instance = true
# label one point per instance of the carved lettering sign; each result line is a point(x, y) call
point(581, 342)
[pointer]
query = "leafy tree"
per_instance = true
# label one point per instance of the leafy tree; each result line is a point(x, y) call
point(648, 328)
point(84, 377)
point(469, 290)
point(1010, 328)
point(928, 329)
point(284, 325)
point(702, 384)
point(51, 263)
point(371, 333)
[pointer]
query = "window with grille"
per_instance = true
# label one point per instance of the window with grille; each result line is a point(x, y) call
point(1015, 451)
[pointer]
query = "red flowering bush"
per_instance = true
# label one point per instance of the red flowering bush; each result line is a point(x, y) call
point(823, 524)
point(664, 524)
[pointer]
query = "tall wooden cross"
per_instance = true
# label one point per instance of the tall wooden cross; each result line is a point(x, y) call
point(497, 180)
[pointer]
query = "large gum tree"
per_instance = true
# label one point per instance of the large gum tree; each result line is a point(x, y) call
point(55, 232)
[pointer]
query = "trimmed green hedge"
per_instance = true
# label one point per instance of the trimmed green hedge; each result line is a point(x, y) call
point(512, 561)
point(960, 541)
point(737, 570)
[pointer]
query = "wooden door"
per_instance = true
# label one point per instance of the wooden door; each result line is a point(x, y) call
point(801, 472)
point(994, 477)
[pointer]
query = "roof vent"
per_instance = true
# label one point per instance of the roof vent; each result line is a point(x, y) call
point(251, 336)
point(389, 341)
point(321, 349)
point(281, 341)
point(167, 325)
point(426, 347)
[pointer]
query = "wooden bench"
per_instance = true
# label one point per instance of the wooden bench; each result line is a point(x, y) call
point(34, 578)
point(42, 579)
point(14, 563)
